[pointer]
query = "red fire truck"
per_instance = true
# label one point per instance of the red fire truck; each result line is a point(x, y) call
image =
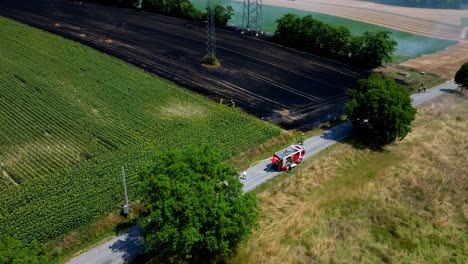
point(288, 158)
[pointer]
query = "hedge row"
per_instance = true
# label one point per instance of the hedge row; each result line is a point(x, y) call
point(311, 35)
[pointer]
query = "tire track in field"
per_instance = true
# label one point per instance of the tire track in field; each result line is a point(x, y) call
point(270, 81)
point(245, 71)
point(176, 65)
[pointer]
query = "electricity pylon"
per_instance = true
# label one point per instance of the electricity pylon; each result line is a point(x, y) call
point(210, 26)
point(252, 16)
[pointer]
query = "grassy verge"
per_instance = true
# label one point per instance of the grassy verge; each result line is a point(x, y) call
point(65, 247)
point(409, 45)
point(406, 203)
point(414, 80)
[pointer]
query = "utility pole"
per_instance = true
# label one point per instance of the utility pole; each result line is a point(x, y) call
point(252, 16)
point(210, 26)
point(124, 182)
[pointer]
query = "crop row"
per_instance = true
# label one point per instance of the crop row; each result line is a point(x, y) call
point(44, 208)
point(71, 117)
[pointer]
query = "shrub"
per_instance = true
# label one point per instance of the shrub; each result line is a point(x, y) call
point(222, 14)
point(211, 59)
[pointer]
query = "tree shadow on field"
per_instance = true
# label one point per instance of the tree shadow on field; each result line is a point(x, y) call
point(353, 136)
point(361, 141)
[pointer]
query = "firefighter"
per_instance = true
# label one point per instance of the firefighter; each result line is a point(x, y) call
point(302, 139)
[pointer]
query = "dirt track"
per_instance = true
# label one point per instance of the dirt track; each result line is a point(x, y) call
point(438, 23)
point(265, 79)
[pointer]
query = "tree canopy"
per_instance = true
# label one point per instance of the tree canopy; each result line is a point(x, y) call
point(177, 8)
point(381, 109)
point(15, 251)
point(222, 14)
point(368, 51)
point(461, 77)
point(372, 49)
point(195, 205)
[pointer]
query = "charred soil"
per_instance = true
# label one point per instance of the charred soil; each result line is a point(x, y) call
point(281, 85)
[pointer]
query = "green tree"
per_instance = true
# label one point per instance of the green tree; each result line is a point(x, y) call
point(461, 77)
point(178, 8)
point(15, 251)
point(189, 11)
point(222, 14)
point(196, 206)
point(381, 109)
point(372, 49)
point(339, 41)
point(288, 29)
point(369, 50)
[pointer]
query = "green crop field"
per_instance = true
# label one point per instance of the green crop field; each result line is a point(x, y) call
point(71, 117)
point(464, 21)
point(409, 45)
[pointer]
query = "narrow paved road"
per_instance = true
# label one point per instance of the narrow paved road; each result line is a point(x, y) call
point(120, 249)
point(123, 247)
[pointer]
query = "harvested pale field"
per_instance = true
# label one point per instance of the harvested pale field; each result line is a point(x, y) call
point(445, 62)
point(438, 23)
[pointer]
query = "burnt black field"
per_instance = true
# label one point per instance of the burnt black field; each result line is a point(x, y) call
point(287, 87)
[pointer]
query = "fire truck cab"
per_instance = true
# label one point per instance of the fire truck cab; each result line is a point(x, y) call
point(288, 158)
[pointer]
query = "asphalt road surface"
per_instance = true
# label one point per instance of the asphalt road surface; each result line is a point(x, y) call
point(282, 85)
point(119, 249)
point(123, 247)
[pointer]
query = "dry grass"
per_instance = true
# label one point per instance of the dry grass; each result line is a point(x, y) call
point(413, 81)
point(445, 62)
point(407, 203)
point(74, 243)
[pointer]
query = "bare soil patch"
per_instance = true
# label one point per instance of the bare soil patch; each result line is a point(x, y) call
point(178, 110)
